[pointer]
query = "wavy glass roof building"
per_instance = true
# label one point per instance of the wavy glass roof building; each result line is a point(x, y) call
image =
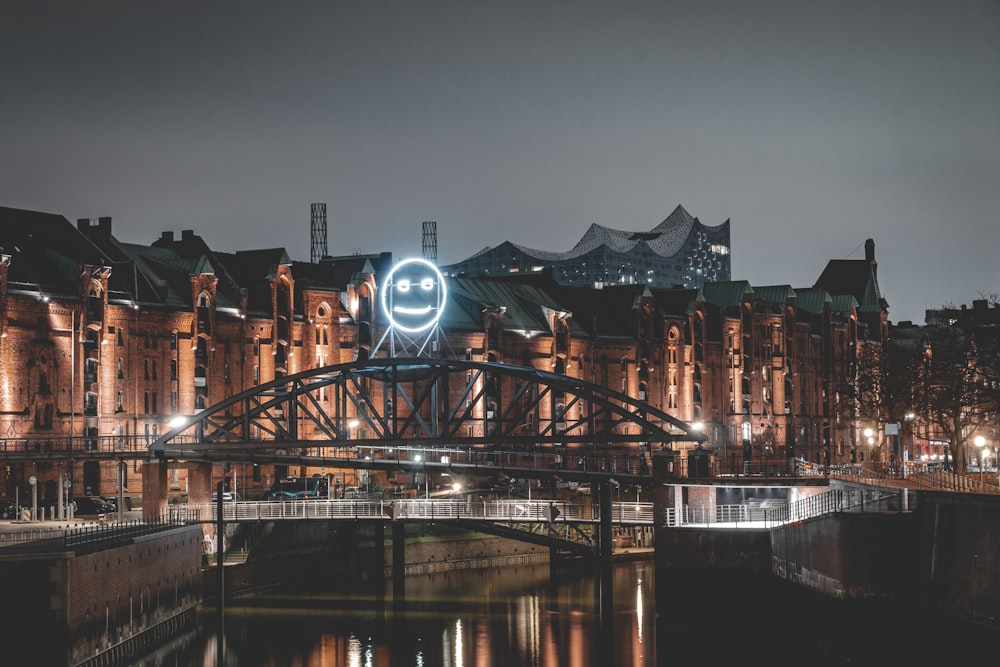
point(678, 252)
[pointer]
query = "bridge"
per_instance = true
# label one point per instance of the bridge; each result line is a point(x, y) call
point(424, 403)
point(414, 414)
point(571, 527)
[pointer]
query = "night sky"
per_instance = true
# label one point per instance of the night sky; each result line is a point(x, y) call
point(811, 125)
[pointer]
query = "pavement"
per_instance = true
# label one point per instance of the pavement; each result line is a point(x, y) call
point(16, 526)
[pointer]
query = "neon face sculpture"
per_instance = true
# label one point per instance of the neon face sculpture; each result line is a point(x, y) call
point(413, 295)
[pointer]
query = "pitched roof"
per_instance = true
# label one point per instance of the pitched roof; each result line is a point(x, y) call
point(727, 294)
point(812, 299)
point(776, 296)
point(857, 277)
point(46, 252)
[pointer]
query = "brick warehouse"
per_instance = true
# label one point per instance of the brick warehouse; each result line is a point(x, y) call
point(105, 342)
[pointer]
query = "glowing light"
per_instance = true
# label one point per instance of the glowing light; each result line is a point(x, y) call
point(638, 608)
point(459, 662)
point(413, 295)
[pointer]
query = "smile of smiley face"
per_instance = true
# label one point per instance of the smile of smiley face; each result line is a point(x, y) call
point(413, 295)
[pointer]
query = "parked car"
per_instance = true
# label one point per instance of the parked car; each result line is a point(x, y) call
point(92, 506)
point(227, 497)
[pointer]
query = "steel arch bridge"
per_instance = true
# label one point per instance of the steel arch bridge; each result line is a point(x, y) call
point(381, 413)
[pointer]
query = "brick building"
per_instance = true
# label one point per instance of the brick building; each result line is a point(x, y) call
point(103, 343)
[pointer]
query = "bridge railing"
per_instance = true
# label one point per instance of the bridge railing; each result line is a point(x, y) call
point(419, 509)
point(61, 446)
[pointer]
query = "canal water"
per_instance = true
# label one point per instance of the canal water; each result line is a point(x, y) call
point(516, 617)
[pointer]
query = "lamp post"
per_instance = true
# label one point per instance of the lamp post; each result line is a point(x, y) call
point(980, 443)
point(870, 439)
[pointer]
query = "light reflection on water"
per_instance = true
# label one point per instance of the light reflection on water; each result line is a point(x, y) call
point(516, 617)
point(512, 617)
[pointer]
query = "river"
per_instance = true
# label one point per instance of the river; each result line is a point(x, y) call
point(517, 617)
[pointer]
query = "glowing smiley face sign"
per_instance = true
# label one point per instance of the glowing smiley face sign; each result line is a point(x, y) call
point(413, 295)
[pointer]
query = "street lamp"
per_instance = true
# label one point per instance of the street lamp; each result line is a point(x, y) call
point(980, 442)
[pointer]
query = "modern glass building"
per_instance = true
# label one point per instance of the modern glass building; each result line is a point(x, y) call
point(678, 252)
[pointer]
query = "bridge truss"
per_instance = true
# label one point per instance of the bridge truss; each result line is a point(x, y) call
point(395, 412)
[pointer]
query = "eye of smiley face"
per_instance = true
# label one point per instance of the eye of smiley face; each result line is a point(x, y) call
point(413, 295)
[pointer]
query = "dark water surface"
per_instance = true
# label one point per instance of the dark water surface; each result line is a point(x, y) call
point(516, 617)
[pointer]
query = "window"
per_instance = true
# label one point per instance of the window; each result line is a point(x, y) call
point(173, 369)
point(145, 369)
point(121, 369)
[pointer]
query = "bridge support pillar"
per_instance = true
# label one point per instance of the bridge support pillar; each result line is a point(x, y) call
point(377, 566)
point(398, 562)
point(154, 490)
point(606, 551)
point(199, 485)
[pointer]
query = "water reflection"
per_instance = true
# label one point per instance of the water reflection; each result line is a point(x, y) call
point(514, 617)
point(517, 617)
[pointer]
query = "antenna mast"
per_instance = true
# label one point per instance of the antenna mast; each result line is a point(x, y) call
point(317, 250)
point(431, 242)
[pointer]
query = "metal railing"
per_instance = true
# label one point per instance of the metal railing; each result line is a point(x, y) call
point(633, 513)
point(762, 515)
point(86, 538)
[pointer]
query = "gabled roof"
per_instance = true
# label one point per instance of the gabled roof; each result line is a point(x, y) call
point(843, 303)
point(812, 299)
point(776, 296)
point(252, 271)
point(525, 305)
point(677, 302)
point(727, 294)
point(46, 252)
point(343, 271)
point(857, 277)
point(609, 312)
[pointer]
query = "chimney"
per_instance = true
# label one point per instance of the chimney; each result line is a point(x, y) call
point(870, 257)
point(103, 226)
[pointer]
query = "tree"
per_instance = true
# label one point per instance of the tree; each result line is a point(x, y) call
point(955, 385)
point(879, 392)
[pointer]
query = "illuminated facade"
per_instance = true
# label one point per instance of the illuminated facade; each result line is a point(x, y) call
point(106, 342)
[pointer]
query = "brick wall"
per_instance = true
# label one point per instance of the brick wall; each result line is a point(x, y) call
point(112, 595)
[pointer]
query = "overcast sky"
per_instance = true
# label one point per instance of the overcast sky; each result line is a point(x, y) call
point(811, 125)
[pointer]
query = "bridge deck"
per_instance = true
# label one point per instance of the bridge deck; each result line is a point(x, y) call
point(435, 509)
